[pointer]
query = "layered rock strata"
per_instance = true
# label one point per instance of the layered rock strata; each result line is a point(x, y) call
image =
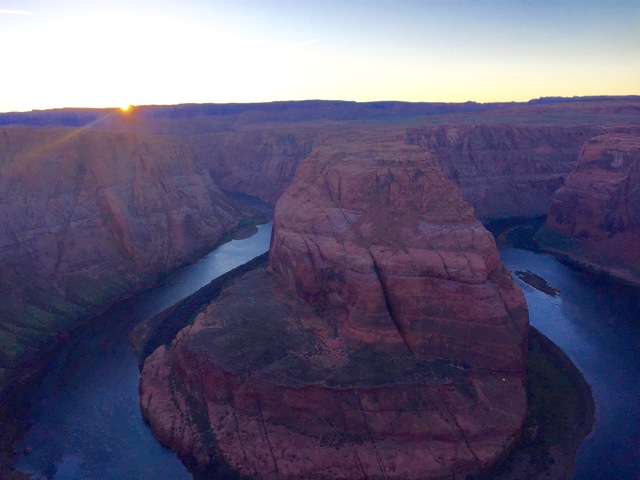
point(502, 171)
point(88, 216)
point(259, 162)
point(385, 340)
point(505, 171)
point(595, 216)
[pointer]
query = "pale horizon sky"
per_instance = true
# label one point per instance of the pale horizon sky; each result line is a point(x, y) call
point(71, 53)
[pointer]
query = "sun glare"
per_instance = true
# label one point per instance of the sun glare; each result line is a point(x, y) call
point(126, 108)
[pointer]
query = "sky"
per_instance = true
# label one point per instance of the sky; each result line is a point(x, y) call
point(109, 53)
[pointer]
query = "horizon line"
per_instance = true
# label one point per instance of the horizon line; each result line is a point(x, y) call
point(505, 102)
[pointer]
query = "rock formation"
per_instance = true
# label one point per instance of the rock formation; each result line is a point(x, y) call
point(260, 162)
point(502, 171)
point(385, 340)
point(505, 171)
point(595, 217)
point(88, 216)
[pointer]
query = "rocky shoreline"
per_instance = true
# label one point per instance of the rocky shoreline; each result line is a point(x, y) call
point(502, 171)
point(539, 454)
point(581, 263)
point(594, 219)
point(542, 452)
point(547, 449)
point(222, 393)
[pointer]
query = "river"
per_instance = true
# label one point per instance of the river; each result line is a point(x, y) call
point(596, 322)
point(84, 415)
point(86, 422)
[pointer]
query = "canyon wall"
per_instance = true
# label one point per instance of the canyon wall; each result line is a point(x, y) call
point(502, 171)
point(386, 340)
point(261, 162)
point(505, 171)
point(87, 217)
point(595, 217)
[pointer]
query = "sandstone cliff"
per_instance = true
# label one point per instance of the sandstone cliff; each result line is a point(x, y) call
point(502, 171)
point(595, 217)
point(372, 226)
point(259, 162)
point(86, 217)
point(385, 341)
point(505, 171)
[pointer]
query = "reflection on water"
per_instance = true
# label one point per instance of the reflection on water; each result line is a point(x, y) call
point(597, 324)
point(85, 414)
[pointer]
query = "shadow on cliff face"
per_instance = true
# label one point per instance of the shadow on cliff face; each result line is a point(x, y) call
point(517, 232)
point(293, 151)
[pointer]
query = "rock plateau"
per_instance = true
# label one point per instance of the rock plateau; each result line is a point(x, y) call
point(385, 340)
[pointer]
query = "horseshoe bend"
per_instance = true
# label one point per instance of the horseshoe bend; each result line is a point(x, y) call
point(384, 340)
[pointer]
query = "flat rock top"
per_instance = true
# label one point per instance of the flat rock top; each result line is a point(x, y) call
point(628, 142)
point(256, 327)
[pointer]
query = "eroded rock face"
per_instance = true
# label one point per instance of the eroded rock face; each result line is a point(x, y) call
point(87, 216)
point(260, 162)
point(505, 171)
point(385, 341)
point(382, 234)
point(502, 171)
point(595, 217)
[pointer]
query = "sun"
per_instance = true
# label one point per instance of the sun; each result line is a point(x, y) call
point(126, 108)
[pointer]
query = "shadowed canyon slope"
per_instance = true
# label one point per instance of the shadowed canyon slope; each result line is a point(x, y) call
point(256, 162)
point(595, 217)
point(87, 217)
point(505, 171)
point(386, 340)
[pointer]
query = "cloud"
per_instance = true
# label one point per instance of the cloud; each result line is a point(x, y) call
point(15, 12)
point(309, 42)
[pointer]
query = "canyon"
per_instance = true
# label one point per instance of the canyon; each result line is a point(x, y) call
point(376, 252)
point(594, 220)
